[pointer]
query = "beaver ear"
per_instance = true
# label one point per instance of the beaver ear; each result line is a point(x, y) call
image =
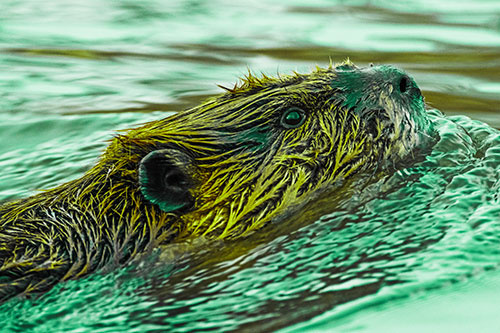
point(165, 179)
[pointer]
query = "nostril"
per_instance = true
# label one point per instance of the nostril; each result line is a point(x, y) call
point(404, 84)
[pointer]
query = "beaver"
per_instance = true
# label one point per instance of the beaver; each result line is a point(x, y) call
point(220, 170)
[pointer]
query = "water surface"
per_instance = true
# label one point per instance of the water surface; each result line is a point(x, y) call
point(416, 251)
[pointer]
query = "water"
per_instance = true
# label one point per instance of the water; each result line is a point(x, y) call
point(416, 252)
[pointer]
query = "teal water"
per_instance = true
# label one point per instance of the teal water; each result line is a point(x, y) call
point(416, 251)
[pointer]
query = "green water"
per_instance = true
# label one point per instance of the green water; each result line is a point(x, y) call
point(417, 252)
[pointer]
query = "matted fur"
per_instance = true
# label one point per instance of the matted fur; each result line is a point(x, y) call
point(249, 170)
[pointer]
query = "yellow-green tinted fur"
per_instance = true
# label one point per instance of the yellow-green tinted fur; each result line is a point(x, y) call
point(248, 169)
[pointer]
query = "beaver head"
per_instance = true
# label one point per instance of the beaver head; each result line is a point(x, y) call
point(238, 161)
point(221, 170)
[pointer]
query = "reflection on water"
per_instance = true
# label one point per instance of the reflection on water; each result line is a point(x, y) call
point(76, 73)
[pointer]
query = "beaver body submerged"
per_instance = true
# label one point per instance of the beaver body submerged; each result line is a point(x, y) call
point(220, 170)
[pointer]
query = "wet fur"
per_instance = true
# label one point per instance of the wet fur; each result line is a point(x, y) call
point(247, 171)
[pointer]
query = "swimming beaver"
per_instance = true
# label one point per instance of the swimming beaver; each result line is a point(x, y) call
point(220, 170)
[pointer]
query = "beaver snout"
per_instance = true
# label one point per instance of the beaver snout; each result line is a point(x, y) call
point(404, 85)
point(386, 99)
point(366, 87)
point(392, 81)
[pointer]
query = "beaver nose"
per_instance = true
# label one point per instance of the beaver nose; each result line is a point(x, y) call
point(403, 84)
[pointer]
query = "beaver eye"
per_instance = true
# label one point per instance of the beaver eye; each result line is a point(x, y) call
point(293, 118)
